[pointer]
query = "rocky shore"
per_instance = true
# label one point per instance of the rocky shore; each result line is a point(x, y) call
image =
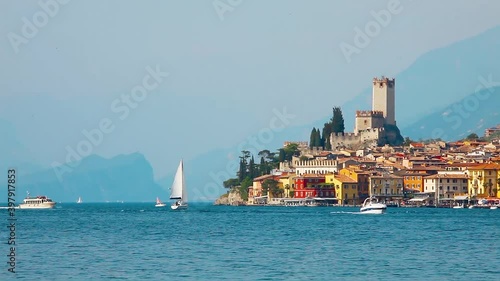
point(232, 198)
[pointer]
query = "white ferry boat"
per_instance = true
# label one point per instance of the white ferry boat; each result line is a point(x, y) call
point(38, 202)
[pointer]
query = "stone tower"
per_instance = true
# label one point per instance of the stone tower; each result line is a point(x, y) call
point(384, 98)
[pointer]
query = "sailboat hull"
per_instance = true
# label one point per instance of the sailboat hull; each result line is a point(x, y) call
point(179, 207)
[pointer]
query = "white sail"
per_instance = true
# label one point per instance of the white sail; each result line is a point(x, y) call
point(177, 191)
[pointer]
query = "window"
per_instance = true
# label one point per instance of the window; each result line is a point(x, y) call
point(454, 180)
point(418, 185)
point(448, 180)
point(440, 188)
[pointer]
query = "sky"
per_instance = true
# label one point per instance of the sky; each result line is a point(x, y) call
point(206, 73)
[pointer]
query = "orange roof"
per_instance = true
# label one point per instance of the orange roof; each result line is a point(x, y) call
point(344, 179)
point(487, 166)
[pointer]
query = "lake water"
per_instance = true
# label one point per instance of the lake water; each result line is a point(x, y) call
point(114, 241)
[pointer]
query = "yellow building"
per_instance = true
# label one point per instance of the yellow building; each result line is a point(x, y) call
point(287, 182)
point(484, 180)
point(361, 177)
point(346, 189)
point(388, 187)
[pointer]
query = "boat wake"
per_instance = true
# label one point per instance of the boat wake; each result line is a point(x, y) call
point(353, 213)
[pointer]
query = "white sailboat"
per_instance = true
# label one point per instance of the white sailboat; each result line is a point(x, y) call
point(178, 191)
point(159, 203)
point(79, 200)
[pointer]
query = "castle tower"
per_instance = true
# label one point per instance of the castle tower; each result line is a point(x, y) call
point(384, 98)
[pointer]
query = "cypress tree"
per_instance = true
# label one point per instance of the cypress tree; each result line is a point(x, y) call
point(338, 121)
point(312, 139)
point(317, 138)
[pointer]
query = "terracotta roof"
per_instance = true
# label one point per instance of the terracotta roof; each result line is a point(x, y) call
point(487, 166)
point(345, 179)
point(264, 177)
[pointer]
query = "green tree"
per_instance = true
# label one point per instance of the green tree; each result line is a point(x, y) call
point(243, 171)
point(243, 189)
point(291, 150)
point(317, 138)
point(312, 138)
point(338, 121)
point(252, 173)
point(230, 183)
point(262, 166)
point(472, 136)
point(327, 131)
point(282, 155)
point(407, 141)
point(271, 186)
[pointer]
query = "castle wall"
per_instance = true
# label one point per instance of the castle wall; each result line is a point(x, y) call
point(368, 120)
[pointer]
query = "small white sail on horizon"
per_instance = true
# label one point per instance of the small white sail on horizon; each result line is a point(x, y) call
point(159, 203)
point(79, 200)
point(178, 190)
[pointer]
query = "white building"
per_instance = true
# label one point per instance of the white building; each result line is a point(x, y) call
point(446, 184)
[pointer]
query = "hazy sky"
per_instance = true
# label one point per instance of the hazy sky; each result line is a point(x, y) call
point(227, 68)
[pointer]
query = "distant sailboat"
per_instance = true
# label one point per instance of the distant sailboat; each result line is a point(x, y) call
point(178, 191)
point(79, 200)
point(159, 203)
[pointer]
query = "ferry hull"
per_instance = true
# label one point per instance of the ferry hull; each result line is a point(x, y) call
point(37, 206)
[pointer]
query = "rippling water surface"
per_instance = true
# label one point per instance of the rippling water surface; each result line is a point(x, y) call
point(140, 242)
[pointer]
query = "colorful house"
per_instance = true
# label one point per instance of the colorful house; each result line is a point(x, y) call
point(287, 182)
point(312, 186)
point(346, 189)
point(361, 177)
point(484, 180)
point(387, 187)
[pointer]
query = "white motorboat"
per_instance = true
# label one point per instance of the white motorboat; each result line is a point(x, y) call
point(38, 202)
point(159, 203)
point(178, 191)
point(493, 207)
point(372, 206)
point(459, 206)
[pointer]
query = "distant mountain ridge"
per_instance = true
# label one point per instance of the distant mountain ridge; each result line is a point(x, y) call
point(438, 78)
point(96, 179)
point(472, 114)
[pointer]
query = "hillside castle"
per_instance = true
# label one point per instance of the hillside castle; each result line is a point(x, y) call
point(370, 124)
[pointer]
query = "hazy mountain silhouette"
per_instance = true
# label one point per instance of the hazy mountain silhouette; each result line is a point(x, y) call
point(96, 179)
point(473, 114)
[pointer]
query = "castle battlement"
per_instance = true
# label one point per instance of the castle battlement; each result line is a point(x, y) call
point(384, 81)
point(369, 113)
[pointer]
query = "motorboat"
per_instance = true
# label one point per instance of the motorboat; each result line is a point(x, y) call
point(459, 206)
point(38, 202)
point(372, 206)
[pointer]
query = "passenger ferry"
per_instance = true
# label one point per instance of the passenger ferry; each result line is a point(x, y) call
point(39, 202)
